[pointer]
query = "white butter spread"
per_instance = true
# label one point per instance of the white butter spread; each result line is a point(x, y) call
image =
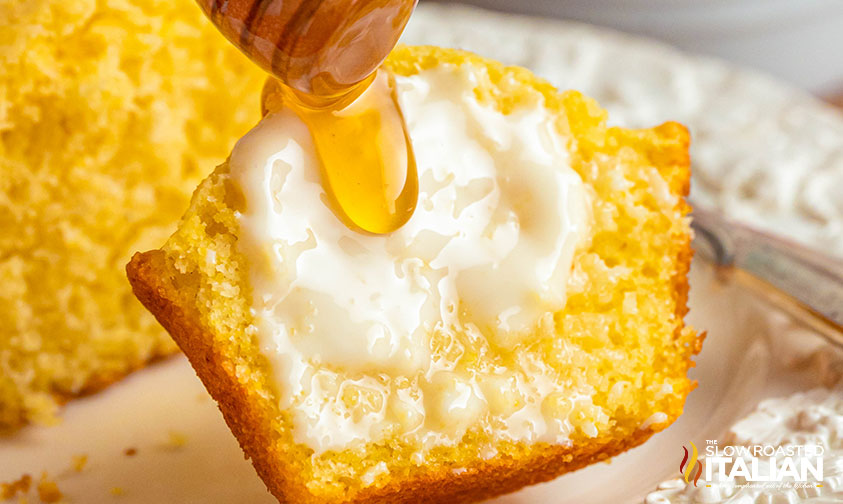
point(487, 252)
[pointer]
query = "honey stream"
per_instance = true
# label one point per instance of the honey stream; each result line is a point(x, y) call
point(324, 56)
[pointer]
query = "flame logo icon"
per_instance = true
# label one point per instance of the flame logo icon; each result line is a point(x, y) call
point(689, 470)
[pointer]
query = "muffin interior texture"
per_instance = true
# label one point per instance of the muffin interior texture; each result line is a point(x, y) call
point(110, 114)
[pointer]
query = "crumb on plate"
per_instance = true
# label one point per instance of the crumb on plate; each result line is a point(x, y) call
point(12, 488)
point(175, 440)
point(48, 491)
point(78, 462)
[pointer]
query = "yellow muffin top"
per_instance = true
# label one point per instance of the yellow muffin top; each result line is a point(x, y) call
point(110, 113)
point(620, 337)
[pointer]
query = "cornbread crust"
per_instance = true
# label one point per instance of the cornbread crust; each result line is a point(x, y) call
point(250, 406)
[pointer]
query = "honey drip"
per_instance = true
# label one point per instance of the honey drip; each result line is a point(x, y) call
point(324, 55)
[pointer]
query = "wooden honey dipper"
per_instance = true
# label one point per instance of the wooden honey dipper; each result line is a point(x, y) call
point(319, 48)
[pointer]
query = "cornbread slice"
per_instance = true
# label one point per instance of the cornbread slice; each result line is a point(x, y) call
point(110, 113)
point(501, 410)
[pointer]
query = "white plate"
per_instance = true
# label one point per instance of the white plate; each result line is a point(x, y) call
point(736, 368)
point(796, 40)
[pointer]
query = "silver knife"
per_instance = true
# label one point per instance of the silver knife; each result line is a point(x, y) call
point(805, 283)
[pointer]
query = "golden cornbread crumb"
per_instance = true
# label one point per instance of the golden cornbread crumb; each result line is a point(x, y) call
point(110, 113)
point(620, 336)
point(175, 440)
point(116, 491)
point(79, 462)
point(48, 490)
point(12, 488)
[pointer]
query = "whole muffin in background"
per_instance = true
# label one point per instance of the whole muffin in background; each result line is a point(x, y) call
point(110, 114)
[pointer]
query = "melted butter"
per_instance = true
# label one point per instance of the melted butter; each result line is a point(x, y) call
point(325, 55)
point(363, 331)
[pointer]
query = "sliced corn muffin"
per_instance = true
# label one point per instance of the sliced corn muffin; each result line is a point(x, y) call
point(110, 114)
point(527, 321)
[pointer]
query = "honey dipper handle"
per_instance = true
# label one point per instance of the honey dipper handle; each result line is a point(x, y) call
point(805, 283)
point(317, 47)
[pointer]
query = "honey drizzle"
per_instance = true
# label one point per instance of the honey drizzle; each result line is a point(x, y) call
point(325, 55)
point(366, 158)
